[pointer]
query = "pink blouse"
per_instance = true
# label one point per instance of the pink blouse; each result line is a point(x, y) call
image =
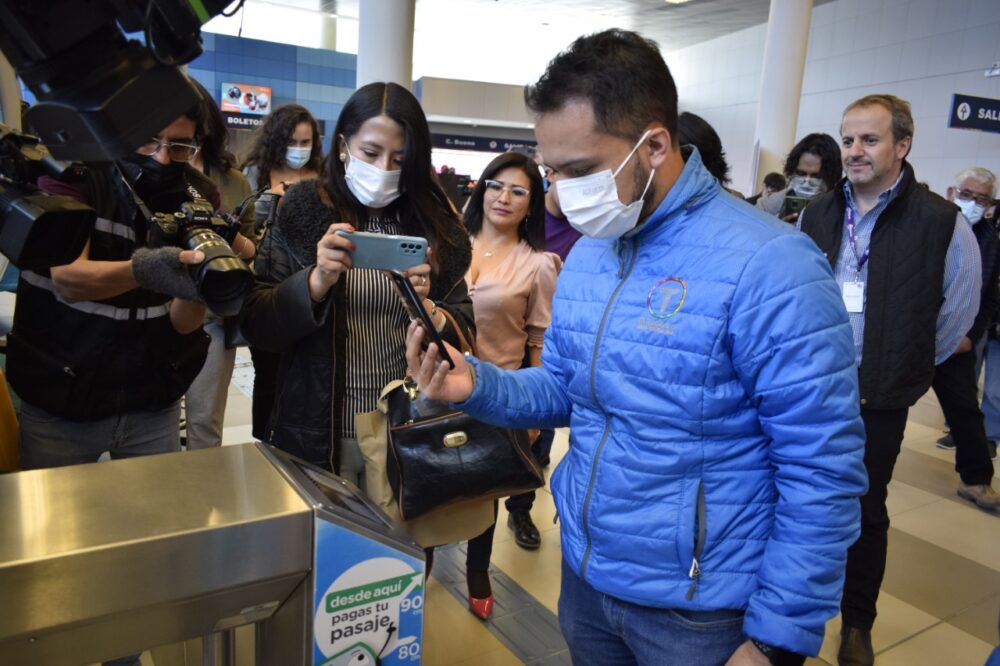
point(513, 304)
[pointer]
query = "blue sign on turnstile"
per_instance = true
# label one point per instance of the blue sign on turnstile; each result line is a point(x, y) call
point(368, 600)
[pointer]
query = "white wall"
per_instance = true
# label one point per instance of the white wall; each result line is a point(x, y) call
point(921, 50)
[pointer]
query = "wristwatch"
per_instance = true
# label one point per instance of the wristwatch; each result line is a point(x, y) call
point(778, 656)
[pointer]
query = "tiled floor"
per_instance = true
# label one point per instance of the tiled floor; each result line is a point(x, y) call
point(940, 600)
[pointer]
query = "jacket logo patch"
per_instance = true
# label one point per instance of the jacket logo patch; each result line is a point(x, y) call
point(666, 298)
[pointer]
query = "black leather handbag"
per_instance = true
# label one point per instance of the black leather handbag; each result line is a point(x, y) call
point(439, 456)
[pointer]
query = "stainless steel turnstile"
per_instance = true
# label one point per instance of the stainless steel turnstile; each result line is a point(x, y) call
point(103, 560)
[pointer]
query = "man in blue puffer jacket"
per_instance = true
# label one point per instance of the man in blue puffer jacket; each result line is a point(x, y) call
point(701, 354)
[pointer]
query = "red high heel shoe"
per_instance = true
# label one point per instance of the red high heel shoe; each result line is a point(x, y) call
point(481, 608)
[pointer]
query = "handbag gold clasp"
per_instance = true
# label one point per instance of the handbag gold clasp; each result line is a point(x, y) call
point(411, 389)
point(453, 439)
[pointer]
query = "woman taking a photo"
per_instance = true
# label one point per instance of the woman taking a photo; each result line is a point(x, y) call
point(340, 331)
point(511, 282)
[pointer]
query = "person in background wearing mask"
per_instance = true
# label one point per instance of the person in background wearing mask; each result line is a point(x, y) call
point(709, 493)
point(286, 151)
point(103, 348)
point(812, 167)
point(340, 332)
point(956, 379)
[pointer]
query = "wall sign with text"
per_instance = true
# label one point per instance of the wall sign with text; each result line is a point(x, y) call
point(975, 113)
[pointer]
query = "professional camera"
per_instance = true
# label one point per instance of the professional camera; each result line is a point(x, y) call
point(222, 279)
point(37, 230)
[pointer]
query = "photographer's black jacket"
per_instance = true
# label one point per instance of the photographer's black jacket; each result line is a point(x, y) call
point(93, 359)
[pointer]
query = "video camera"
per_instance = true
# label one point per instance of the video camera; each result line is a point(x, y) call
point(89, 81)
point(37, 230)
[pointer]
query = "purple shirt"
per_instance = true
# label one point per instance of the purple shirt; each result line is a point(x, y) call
point(559, 235)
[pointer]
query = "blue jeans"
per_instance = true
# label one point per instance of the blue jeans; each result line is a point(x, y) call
point(991, 390)
point(46, 440)
point(605, 631)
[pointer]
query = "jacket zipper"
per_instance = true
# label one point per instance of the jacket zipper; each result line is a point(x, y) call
point(48, 358)
point(701, 529)
point(623, 274)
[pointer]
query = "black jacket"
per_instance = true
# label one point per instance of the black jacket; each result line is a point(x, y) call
point(989, 300)
point(905, 286)
point(280, 316)
point(90, 360)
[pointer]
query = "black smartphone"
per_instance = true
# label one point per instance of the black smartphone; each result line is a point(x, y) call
point(793, 206)
point(414, 305)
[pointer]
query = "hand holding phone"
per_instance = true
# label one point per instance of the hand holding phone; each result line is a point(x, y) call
point(415, 307)
point(385, 251)
point(333, 257)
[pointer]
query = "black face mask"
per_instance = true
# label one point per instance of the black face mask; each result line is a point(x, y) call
point(161, 186)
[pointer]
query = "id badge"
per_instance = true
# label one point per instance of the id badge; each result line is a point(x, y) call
point(854, 296)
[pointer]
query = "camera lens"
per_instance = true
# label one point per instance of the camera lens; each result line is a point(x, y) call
point(222, 279)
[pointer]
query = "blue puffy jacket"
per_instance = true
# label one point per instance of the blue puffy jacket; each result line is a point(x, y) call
point(705, 365)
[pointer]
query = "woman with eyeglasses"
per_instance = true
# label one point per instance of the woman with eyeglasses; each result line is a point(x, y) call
point(511, 282)
point(340, 331)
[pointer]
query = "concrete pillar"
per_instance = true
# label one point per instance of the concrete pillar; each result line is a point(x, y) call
point(10, 95)
point(385, 41)
point(328, 32)
point(781, 84)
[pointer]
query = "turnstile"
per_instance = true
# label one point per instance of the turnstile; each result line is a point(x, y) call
point(103, 560)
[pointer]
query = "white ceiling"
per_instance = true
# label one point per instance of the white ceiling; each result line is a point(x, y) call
point(674, 26)
point(509, 41)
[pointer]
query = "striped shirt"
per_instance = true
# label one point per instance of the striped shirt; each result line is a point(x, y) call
point(962, 274)
point(376, 335)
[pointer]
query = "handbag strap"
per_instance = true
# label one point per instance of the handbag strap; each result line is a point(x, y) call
point(464, 345)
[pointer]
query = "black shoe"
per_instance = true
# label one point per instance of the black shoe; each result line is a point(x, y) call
point(525, 533)
point(855, 647)
point(946, 442)
point(545, 460)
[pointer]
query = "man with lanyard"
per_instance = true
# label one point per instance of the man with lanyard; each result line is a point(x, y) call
point(710, 490)
point(897, 251)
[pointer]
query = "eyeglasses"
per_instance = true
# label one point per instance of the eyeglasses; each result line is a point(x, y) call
point(178, 151)
point(495, 187)
point(981, 199)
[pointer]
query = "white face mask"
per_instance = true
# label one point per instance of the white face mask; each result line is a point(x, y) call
point(296, 157)
point(806, 186)
point(372, 186)
point(591, 203)
point(972, 211)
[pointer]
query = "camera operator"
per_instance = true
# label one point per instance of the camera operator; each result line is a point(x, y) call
point(103, 348)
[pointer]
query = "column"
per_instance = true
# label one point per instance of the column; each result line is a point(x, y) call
point(385, 41)
point(781, 84)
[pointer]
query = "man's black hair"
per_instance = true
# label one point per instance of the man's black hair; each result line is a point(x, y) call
point(826, 149)
point(623, 77)
point(775, 181)
point(694, 130)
